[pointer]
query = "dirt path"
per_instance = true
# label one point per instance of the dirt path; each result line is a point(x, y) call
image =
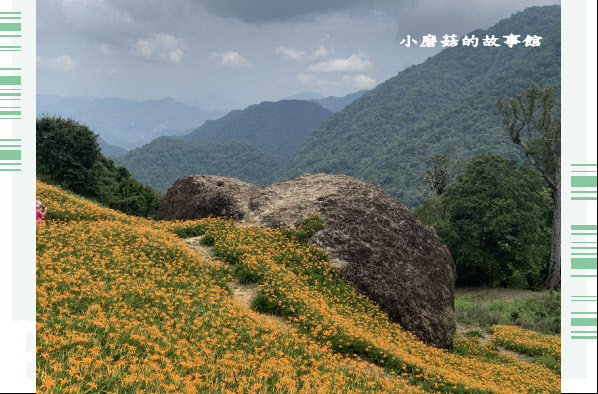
point(242, 293)
point(486, 341)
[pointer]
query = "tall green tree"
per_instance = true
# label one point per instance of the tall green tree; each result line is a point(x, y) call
point(436, 179)
point(533, 120)
point(495, 221)
point(68, 153)
point(66, 150)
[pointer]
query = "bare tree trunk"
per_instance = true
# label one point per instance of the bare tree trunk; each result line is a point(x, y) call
point(554, 270)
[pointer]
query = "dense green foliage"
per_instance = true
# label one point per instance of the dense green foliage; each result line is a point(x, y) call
point(533, 120)
point(495, 220)
point(442, 173)
point(308, 227)
point(166, 159)
point(67, 152)
point(444, 105)
point(275, 128)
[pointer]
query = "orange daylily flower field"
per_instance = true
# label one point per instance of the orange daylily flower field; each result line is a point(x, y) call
point(124, 306)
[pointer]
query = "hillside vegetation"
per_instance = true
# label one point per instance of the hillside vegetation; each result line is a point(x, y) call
point(166, 159)
point(123, 305)
point(275, 128)
point(68, 154)
point(445, 105)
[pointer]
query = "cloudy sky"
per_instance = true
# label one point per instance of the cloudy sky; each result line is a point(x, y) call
point(215, 52)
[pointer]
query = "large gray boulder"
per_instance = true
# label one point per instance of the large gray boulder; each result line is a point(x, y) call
point(202, 196)
point(379, 246)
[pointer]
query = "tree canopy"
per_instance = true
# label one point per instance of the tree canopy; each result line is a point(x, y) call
point(67, 153)
point(495, 220)
point(533, 120)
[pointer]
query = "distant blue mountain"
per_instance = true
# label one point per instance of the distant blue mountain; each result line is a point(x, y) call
point(127, 123)
point(335, 104)
point(305, 96)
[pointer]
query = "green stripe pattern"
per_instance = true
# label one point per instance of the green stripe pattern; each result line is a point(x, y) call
point(10, 158)
point(10, 93)
point(10, 25)
point(584, 178)
point(584, 250)
point(587, 323)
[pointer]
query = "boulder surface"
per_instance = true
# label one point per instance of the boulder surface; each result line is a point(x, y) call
point(378, 244)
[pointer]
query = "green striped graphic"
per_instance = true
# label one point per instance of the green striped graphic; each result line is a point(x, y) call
point(583, 181)
point(583, 227)
point(583, 321)
point(583, 264)
point(10, 112)
point(10, 154)
point(584, 337)
point(10, 27)
point(10, 80)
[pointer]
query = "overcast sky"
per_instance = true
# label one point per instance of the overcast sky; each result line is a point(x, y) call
point(243, 51)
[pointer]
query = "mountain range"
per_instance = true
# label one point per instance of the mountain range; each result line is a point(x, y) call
point(127, 123)
point(445, 105)
point(385, 136)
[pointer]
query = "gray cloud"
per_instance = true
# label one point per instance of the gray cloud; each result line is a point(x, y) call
point(264, 11)
point(456, 16)
point(236, 49)
point(62, 63)
point(162, 46)
point(230, 59)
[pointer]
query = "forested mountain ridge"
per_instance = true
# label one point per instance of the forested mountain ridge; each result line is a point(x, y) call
point(445, 105)
point(275, 128)
point(165, 159)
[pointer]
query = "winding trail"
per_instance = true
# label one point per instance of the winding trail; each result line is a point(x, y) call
point(242, 293)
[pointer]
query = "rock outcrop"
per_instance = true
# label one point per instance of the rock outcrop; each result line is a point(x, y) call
point(380, 247)
point(201, 196)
